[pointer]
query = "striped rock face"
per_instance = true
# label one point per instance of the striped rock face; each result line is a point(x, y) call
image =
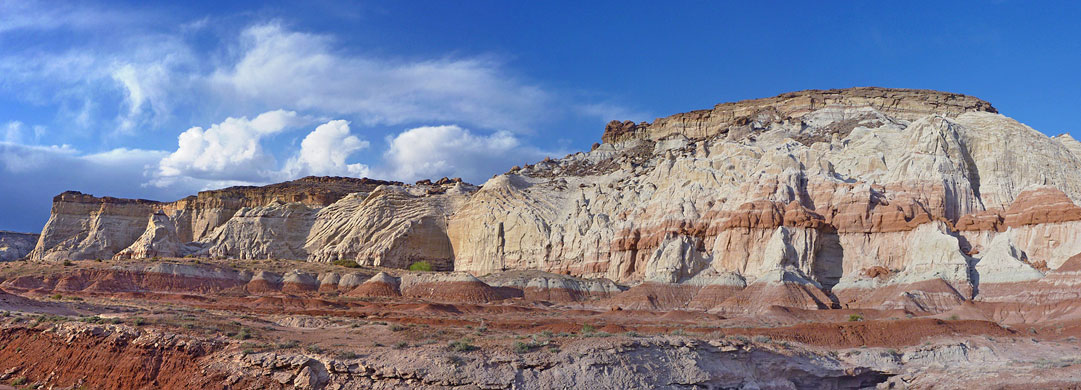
point(822, 186)
point(805, 198)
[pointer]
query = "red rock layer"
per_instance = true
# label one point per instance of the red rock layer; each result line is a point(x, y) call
point(760, 296)
point(375, 289)
point(453, 292)
point(117, 281)
point(710, 296)
point(1032, 207)
point(928, 296)
point(653, 296)
point(96, 362)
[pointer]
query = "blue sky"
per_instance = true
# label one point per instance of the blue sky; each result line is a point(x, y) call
point(162, 100)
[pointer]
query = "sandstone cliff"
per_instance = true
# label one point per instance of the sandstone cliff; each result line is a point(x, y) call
point(809, 198)
point(844, 189)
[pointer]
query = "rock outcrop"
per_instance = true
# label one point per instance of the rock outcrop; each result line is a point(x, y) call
point(812, 199)
point(15, 246)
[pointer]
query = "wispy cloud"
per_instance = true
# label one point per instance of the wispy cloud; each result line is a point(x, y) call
point(288, 68)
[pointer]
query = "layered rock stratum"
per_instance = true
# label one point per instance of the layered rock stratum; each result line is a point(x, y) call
point(810, 198)
point(840, 239)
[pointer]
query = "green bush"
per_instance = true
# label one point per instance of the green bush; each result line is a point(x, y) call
point(521, 347)
point(68, 263)
point(18, 381)
point(588, 328)
point(421, 266)
point(462, 345)
point(855, 317)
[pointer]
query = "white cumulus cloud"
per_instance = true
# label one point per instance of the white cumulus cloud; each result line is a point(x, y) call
point(230, 150)
point(437, 151)
point(324, 151)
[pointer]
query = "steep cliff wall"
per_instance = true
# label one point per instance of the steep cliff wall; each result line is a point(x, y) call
point(799, 197)
point(83, 226)
point(843, 189)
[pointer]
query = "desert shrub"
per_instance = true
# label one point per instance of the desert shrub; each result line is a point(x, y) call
point(68, 263)
point(288, 344)
point(762, 339)
point(588, 328)
point(18, 381)
point(314, 349)
point(347, 355)
point(520, 347)
point(740, 338)
point(463, 345)
point(243, 334)
point(401, 345)
point(138, 321)
point(421, 266)
point(855, 317)
point(679, 332)
point(397, 328)
point(955, 317)
point(347, 263)
point(455, 360)
point(56, 296)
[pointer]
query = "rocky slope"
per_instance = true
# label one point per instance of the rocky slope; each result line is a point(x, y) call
point(811, 199)
point(15, 246)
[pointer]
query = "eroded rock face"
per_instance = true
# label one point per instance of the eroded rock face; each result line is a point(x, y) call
point(393, 226)
point(840, 190)
point(811, 198)
point(15, 246)
point(237, 222)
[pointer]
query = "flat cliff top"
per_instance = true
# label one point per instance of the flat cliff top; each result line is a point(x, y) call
point(311, 184)
point(901, 103)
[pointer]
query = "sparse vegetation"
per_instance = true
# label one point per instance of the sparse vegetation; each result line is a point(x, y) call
point(347, 263)
point(588, 328)
point(346, 355)
point(68, 263)
point(138, 321)
point(763, 339)
point(421, 266)
point(401, 345)
point(455, 360)
point(18, 381)
point(521, 347)
point(397, 328)
point(463, 345)
point(855, 317)
point(288, 344)
point(243, 334)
